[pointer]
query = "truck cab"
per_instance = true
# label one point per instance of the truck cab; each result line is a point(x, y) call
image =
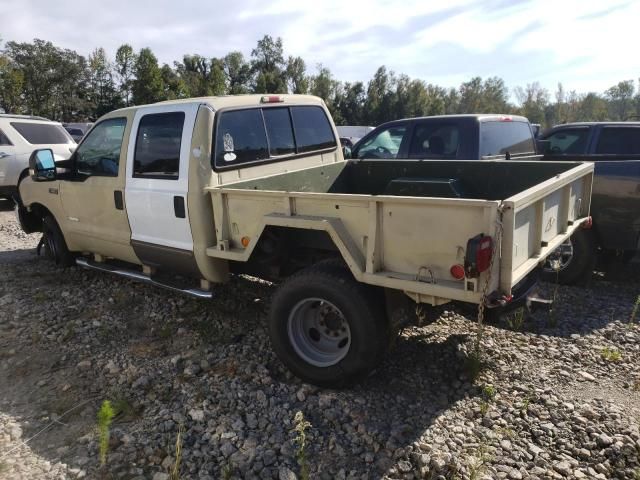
point(450, 137)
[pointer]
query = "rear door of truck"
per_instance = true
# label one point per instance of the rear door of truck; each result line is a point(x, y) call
point(157, 182)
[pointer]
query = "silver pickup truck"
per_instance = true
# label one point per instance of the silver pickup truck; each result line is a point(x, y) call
point(258, 184)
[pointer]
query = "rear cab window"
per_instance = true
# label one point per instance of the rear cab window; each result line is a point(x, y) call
point(499, 137)
point(253, 135)
point(42, 133)
point(568, 141)
point(618, 140)
point(435, 140)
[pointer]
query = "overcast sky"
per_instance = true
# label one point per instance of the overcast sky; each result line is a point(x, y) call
point(588, 45)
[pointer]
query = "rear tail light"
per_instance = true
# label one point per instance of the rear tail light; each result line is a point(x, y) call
point(588, 223)
point(478, 256)
point(457, 272)
point(272, 99)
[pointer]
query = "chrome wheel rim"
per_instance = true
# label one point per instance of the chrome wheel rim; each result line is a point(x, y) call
point(560, 258)
point(319, 332)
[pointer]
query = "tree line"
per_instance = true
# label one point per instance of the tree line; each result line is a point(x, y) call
point(39, 78)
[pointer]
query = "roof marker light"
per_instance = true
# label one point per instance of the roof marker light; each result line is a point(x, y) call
point(272, 99)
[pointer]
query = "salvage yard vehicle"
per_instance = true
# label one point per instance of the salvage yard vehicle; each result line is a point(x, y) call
point(450, 137)
point(614, 147)
point(257, 184)
point(19, 136)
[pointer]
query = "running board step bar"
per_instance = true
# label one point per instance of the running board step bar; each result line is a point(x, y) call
point(139, 277)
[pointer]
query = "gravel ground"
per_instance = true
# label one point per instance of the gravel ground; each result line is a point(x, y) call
point(559, 397)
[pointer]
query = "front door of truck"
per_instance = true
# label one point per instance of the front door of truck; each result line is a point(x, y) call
point(92, 195)
point(157, 184)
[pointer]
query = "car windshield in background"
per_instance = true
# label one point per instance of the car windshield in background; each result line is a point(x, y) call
point(42, 133)
point(383, 145)
point(435, 140)
point(500, 137)
point(568, 141)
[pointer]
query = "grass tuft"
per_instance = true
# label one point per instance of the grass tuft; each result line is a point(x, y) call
point(105, 417)
point(611, 354)
point(174, 474)
point(301, 427)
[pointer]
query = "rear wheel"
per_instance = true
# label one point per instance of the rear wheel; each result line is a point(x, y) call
point(573, 261)
point(327, 328)
point(54, 243)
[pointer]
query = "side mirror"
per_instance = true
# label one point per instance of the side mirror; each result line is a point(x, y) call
point(42, 165)
point(346, 152)
point(543, 146)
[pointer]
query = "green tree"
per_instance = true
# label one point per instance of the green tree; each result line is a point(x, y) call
point(237, 72)
point(380, 97)
point(621, 102)
point(148, 86)
point(174, 86)
point(125, 68)
point(323, 85)
point(350, 103)
point(296, 73)
point(102, 90)
point(268, 66)
point(11, 86)
point(533, 100)
point(202, 76)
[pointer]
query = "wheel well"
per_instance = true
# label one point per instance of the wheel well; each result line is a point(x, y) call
point(31, 221)
point(282, 251)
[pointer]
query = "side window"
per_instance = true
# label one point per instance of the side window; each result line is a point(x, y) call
point(312, 128)
point(384, 144)
point(241, 137)
point(570, 141)
point(4, 140)
point(157, 153)
point(434, 140)
point(619, 141)
point(42, 133)
point(279, 131)
point(500, 137)
point(99, 154)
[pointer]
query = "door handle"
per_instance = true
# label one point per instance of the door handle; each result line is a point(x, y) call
point(118, 200)
point(178, 207)
point(3, 154)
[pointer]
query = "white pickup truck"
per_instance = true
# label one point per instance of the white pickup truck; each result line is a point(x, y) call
point(205, 187)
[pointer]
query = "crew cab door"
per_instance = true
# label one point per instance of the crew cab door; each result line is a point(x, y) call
point(91, 195)
point(157, 184)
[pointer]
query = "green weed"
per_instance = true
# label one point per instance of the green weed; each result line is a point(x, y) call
point(301, 427)
point(611, 354)
point(105, 417)
point(175, 470)
point(515, 319)
point(474, 366)
point(227, 471)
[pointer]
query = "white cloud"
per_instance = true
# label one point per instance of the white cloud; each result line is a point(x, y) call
point(588, 44)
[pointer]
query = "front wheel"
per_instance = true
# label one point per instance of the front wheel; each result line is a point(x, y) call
point(328, 329)
point(54, 243)
point(573, 261)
